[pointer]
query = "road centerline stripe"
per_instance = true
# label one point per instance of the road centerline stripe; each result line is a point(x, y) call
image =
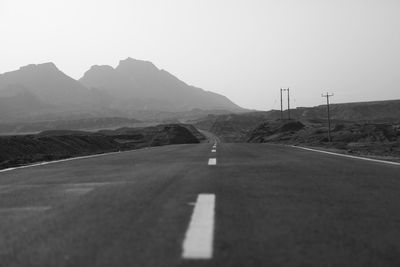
point(212, 161)
point(199, 238)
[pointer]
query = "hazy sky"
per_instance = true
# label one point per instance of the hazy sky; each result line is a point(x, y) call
point(244, 49)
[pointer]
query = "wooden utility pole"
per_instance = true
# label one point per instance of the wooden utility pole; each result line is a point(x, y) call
point(281, 105)
point(329, 116)
point(288, 102)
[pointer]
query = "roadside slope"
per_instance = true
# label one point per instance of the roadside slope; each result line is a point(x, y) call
point(54, 145)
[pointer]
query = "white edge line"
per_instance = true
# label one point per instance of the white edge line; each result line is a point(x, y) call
point(57, 161)
point(199, 238)
point(349, 156)
point(70, 159)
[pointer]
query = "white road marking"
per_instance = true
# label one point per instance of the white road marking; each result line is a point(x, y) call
point(75, 158)
point(57, 161)
point(212, 161)
point(94, 184)
point(79, 191)
point(83, 188)
point(198, 243)
point(214, 150)
point(349, 156)
point(89, 184)
point(25, 209)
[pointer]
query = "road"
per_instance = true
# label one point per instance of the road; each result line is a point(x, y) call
point(258, 205)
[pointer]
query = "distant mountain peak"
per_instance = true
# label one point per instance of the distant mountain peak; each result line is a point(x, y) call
point(48, 66)
point(49, 84)
point(99, 69)
point(136, 65)
point(130, 60)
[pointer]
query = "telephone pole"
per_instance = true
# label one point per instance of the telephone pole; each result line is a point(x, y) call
point(288, 102)
point(329, 116)
point(281, 105)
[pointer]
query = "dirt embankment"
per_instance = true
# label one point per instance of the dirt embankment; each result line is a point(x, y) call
point(380, 139)
point(371, 139)
point(230, 127)
point(53, 145)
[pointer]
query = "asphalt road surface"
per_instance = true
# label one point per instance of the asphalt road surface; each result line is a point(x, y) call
point(254, 205)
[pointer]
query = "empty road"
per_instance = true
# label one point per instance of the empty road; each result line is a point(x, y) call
point(202, 205)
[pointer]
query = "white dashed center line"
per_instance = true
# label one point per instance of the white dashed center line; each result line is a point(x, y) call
point(198, 243)
point(212, 161)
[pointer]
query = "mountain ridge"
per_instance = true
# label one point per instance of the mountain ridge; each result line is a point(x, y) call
point(134, 86)
point(141, 81)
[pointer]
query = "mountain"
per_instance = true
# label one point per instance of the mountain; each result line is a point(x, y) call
point(42, 92)
point(140, 85)
point(49, 84)
point(17, 101)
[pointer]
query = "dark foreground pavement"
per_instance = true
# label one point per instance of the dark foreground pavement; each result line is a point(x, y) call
point(275, 206)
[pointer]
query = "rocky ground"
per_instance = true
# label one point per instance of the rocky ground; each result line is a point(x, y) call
point(370, 139)
point(231, 127)
point(60, 144)
point(376, 139)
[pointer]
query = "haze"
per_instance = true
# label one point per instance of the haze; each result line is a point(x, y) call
point(245, 50)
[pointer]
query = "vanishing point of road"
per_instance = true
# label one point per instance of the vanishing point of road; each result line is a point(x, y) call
point(209, 204)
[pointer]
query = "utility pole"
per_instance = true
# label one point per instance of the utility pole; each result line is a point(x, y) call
point(288, 101)
point(281, 105)
point(329, 116)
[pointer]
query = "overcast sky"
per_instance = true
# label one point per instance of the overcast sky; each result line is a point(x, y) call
point(244, 49)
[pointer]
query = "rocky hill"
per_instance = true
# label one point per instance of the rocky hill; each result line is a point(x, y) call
point(230, 127)
point(235, 127)
point(60, 144)
point(371, 139)
point(72, 124)
point(158, 135)
point(374, 111)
